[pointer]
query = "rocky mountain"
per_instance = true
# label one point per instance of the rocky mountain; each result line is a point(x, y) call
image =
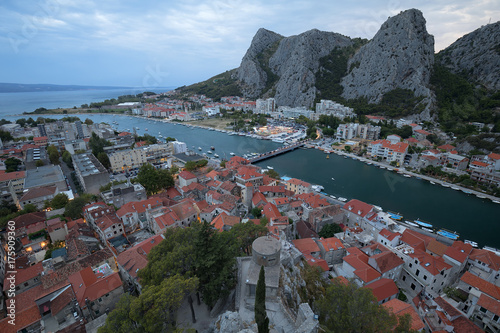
point(285, 67)
point(392, 71)
point(477, 55)
point(401, 55)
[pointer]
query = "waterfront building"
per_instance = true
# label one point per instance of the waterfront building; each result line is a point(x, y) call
point(298, 186)
point(90, 172)
point(391, 152)
point(454, 161)
point(178, 147)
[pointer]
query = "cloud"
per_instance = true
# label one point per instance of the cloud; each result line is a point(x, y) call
point(192, 39)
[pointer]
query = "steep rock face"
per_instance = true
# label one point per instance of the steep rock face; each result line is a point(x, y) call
point(477, 54)
point(296, 61)
point(401, 55)
point(250, 74)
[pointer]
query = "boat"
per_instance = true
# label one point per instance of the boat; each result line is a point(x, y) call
point(423, 224)
point(199, 148)
point(333, 178)
point(270, 167)
point(448, 234)
point(342, 199)
point(317, 188)
point(209, 152)
point(327, 156)
point(215, 155)
point(395, 216)
point(212, 147)
point(428, 230)
point(472, 243)
point(407, 176)
point(480, 196)
point(333, 197)
point(492, 249)
point(411, 223)
point(232, 154)
point(495, 201)
point(455, 188)
point(146, 129)
point(433, 183)
point(445, 185)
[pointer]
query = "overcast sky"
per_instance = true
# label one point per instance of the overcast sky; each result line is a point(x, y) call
point(172, 43)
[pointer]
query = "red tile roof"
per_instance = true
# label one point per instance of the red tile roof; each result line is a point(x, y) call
point(385, 261)
point(437, 247)
point(273, 189)
point(481, 164)
point(259, 198)
point(306, 245)
point(389, 235)
point(487, 257)
point(358, 207)
point(185, 209)
point(321, 263)
point(313, 200)
point(22, 221)
point(331, 244)
point(432, 264)
point(489, 303)
point(416, 239)
point(271, 211)
point(139, 206)
point(167, 219)
point(483, 285)
point(37, 192)
point(25, 274)
point(223, 220)
point(399, 147)
point(400, 308)
point(383, 289)
point(298, 182)
point(107, 220)
point(456, 254)
point(135, 258)
point(186, 175)
point(359, 261)
point(24, 318)
point(87, 285)
point(4, 177)
point(446, 147)
point(494, 156)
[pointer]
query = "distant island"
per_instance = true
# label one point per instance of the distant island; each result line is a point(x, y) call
point(22, 87)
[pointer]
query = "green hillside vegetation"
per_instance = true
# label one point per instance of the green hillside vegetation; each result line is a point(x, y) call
point(263, 59)
point(215, 87)
point(460, 102)
point(332, 68)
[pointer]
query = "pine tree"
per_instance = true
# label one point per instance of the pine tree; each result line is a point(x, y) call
point(260, 304)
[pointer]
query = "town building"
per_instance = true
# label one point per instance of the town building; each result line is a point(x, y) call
point(90, 172)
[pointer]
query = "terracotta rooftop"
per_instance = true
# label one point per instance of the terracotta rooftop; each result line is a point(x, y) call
point(400, 308)
point(135, 258)
point(304, 229)
point(24, 275)
point(259, 198)
point(385, 261)
point(358, 207)
point(313, 200)
point(484, 286)
point(223, 220)
point(107, 220)
point(4, 177)
point(389, 235)
point(331, 244)
point(383, 289)
point(139, 206)
point(299, 182)
point(306, 245)
point(486, 257)
point(432, 264)
point(321, 263)
point(27, 219)
point(416, 239)
point(87, 285)
point(24, 318)
point(437, 247)
point(37, 192)
point(490, 304)
point(184, 209)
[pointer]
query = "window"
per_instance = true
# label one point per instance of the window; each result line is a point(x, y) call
point(495, 318)
point(413, 286)
point(483, 310)
point(425, 277)
point(417, 272)
point(411, 265)
point(404, 277)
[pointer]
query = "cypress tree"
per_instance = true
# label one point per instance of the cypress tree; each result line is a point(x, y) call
point(260, 304)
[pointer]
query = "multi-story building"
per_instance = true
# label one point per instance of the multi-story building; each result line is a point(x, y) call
point(125, 160)
point(388, 151)
point(298, 186)
point(11, 183)
point(265, 106)
point(90, 172)
point(454, 161)
point(329, 107)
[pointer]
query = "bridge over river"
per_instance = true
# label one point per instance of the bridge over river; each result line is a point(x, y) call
point(276, 152)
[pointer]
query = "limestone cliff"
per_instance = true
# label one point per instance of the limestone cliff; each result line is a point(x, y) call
point(401, 55)
point(476, 55)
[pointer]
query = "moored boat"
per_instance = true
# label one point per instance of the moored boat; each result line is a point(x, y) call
point(423, 224)
point(411, 223)
point(448, 234)
point(472, 243)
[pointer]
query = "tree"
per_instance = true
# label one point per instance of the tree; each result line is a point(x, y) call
point(5, 136)
point(245, 234)
point(352, 309)
point(97, 144)
point(59, 201)
point(104, 159)
point(11, 164)
point(154, 310)
point(257, 212)
point(215, 262)
point(88, 121)
point(223, 164)
point(74, 208)
point(53, 154)
point(260, 303)
point(154, 180)
point(273, 174)
point(329, 230)
point(39, 163)
point(66, 157)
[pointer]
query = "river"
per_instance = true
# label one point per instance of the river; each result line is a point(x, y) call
point(473, 218)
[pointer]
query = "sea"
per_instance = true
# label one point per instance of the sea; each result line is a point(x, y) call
point(471, 217)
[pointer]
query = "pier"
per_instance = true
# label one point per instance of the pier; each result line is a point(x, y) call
point(279, 151)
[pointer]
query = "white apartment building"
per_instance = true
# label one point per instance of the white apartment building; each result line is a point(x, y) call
point(388, 151)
